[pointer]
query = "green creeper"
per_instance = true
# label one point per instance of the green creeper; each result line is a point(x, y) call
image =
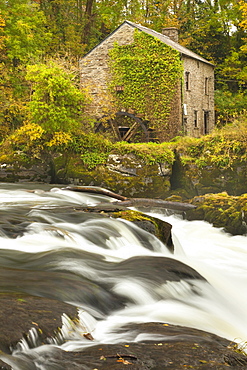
point(150, 71)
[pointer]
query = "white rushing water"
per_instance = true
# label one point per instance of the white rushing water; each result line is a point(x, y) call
point(222, 260)
point(218, 305)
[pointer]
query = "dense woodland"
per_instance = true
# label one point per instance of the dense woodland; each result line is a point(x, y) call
point(41, 42)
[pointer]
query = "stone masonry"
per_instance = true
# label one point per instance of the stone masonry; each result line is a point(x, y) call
point(198, 97)
point(193, 106)
point(95, 72)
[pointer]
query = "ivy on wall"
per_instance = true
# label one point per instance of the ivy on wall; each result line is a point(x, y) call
point(149, 72)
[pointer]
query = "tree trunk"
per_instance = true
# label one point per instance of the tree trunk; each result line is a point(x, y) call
point(88, 22)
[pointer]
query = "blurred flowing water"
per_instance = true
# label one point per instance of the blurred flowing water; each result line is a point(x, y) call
point(116, 273)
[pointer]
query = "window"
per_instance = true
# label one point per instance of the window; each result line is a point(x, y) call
point(119, 89)
point(195, 119)
point(185, 122)
point(206, 122)
point(187, 80)
point(206, 86)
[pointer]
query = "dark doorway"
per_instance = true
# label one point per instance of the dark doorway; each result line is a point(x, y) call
point(206, 122)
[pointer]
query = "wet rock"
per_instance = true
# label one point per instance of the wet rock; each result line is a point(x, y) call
point(62, 286)
point(21, 312)
point(221, 210)
point(175, 347)
point(159, 228)
point(158, 269)
point(153, 225)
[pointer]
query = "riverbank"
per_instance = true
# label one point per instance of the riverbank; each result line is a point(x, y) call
point(185, 170)
point(185, 166)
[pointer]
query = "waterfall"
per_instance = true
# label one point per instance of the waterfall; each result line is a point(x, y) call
point(116, 273)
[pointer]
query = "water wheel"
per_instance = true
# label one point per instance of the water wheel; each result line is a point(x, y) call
point(125, 127)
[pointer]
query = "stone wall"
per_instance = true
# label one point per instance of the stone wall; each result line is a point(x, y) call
point(95, 72)
point(174, 125)
point(198, 97)
point(38, 171)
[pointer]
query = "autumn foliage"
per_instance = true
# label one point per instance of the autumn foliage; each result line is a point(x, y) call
point(35, 33)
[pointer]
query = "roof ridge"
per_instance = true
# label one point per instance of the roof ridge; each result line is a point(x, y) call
point(163, 38)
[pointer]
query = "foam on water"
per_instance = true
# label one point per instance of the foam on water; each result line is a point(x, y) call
point(217, 305)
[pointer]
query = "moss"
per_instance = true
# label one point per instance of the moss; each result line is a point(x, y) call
point(211, 164)
point(222, 210)
point(150, 153)
point(174, 198)
point(140, 67)
point(221, 149)
point(162, 230)
point(131, 215)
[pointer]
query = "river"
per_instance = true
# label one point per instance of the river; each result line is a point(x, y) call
point(117, 268)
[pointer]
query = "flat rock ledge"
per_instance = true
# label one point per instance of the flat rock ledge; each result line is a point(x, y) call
point(177, 347)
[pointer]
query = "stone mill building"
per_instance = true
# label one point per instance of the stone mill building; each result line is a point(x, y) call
point(127, 107)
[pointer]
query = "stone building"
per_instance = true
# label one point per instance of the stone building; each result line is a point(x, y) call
point(192, 106)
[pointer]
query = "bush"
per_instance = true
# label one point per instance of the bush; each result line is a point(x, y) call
point(229, 106)
point(56, 103)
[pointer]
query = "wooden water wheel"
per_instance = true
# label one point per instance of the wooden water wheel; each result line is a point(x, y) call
point(125, 127)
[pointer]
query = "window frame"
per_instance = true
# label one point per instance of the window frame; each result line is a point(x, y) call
point(195, 118)
point(187, 80)
point(206, 86)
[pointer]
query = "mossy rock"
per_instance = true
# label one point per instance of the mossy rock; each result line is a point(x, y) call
point(222, 210)
point(143, 180)
point(155, 226)
point(21, 168)
point(194, 180)
point(159, 228)
point(212, 163)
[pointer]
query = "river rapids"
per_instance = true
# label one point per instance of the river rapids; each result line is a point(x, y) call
point(114, 272)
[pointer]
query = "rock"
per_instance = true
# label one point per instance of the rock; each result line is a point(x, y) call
point(221, 210)
point(175, 348)
point(198, 170)
point(62, 286)
point(159, 228)
point(155, 226)
point(126, 175)
point(21, 312)
point(158, 269)
point(35, 170)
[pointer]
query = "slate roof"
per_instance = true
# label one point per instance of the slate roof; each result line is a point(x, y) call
point(181, 49)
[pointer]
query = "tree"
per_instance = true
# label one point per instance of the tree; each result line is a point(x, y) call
point(231, 94)
point(27, 38)
point(243, 24)
point(66, 22)
point(3, 78)
point(25, 41)
point(56, 103)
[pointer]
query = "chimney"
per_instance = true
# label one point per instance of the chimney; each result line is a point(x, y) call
point(171, 32)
